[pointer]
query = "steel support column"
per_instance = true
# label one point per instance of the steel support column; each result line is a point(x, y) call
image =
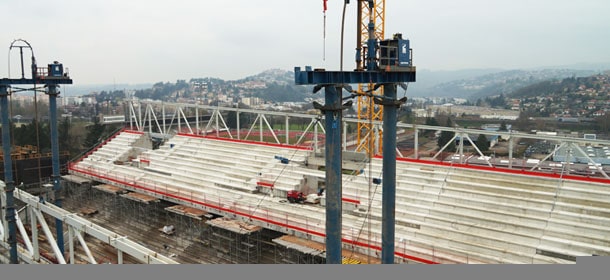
point(416, 141)
point(333, 82)
point(510, 151)
point(389, 174)
point(53, 92)
point(287, 130)
point(333, 118)
point(8, 174)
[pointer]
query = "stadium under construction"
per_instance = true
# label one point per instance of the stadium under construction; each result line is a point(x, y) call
point(209, 196)
point(196, 190)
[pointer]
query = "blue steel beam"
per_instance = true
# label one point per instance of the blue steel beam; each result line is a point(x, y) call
point(43, 81)
point(316, 77)
point(8, 174)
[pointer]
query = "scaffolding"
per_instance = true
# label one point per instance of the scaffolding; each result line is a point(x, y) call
point(234, 241)
point(294, 250)
point(199, 237)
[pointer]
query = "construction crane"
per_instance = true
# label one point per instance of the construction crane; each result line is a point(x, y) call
point(369, 135)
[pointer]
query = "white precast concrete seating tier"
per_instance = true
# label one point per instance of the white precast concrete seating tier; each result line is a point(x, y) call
point(200, 176)
point(433, 223)
point(214, 193)
point(542, 222)
point(528, 221)
point(236, 167)
point(443, 213)
point(210, 150)
point(116, 147)
point(262, 150)
point(410, 210)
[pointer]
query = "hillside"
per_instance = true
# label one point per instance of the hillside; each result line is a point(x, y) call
point(498, 83)
point(595, 85)
point(277, 85)
point(273, 85)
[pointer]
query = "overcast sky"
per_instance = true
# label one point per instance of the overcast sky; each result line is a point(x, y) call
point(146, 41)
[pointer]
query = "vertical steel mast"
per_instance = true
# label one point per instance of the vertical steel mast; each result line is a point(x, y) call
point(370, 13)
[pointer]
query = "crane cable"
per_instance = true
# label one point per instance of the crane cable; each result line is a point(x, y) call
point(342, 32)
point(10, 113)
point(324, 32)
point(37, 131)
point(258, 204)
point(35, 102)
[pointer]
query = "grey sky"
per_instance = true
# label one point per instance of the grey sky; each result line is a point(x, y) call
point(140, 41)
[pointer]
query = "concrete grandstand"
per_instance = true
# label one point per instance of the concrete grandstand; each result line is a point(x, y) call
point(212, 194)
point(446, 213)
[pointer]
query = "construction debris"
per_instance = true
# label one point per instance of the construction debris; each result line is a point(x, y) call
point(169, 229)
point(88, 211)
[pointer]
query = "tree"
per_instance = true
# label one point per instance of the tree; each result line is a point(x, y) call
point(523, 122)
point(94, 134)
point(405, 114)
point(446, 136)
point(430, 121)
point(482, 143)
point(503, 126)
point(602, 124)
point(68, 141)
point(231, 119)
point(35, 134)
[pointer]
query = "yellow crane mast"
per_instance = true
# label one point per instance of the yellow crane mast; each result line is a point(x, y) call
point(369, 134)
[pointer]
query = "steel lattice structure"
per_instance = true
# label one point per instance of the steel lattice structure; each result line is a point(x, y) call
point(369, 135)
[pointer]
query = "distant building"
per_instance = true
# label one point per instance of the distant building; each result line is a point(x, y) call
point(482, 112)
point(19, 119)
point(550, 133)
point(251, 101)
point(590, 136)
point(77, 100)
point(495, 127)
point(423, 113)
